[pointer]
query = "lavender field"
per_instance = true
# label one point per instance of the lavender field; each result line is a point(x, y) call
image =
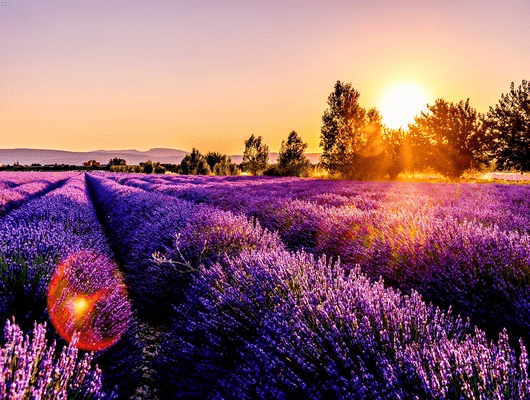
point(169, 286)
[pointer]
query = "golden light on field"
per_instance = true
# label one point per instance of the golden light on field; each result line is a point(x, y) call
point(400, 103)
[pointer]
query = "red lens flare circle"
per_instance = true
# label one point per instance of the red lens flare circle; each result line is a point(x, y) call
point(87, 295)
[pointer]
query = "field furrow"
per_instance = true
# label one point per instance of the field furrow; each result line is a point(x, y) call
point(34, 240)
point(461, 246)
point(161, 241)
point(241, 319)
point(236, 289)
point(27, 188)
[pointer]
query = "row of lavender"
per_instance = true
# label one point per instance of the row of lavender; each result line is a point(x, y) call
point(16, 188)
point(242, 316)
point(34, 238)
point(146, 229)
point(217, 338)
point(462, 246)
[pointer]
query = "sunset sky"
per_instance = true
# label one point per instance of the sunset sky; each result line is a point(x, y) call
point(137, 74)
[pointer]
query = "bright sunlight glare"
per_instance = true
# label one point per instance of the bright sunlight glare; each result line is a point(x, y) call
point(400, 103)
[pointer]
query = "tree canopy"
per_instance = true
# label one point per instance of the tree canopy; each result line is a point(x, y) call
point(341, 132)
point(256, 155)
point(508, 127)
point(351, 137)
point(221, 164)
point(194, 163)
point(117, 161)
point(448, 138)
point(291, 159)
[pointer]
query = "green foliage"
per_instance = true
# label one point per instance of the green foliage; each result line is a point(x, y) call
point(221, 164)
point(120, 168)
point(341, 132)
point(449, 138)
point(292, 160)
point(148, 167)
point(272, 170)
point(373, 161)
point(226, 167)
point(159, 169)
point(396, 143)
point(508, 127)
point(213, 158)
point(171, 167)
point(117, 161)
point(256, 156)
point(16, 278)
point(352, 138)
point(194, 163)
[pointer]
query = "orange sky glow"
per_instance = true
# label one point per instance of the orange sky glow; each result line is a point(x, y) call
point(207, 74)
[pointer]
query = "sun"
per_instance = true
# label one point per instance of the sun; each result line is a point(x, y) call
point(400, 103)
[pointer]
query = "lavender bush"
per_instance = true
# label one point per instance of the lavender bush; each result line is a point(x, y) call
point(465, 246)
point(30, 369)
point(281, 325)
point(187, 234)
point(87, 296)
point(12, 179)
point(248, 328)
point(14, 192)
point(140, 224)
point(34, 239)
point(228, 309)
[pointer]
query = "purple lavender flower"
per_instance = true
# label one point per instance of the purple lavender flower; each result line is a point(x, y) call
point(30, 369)
point(33, 239)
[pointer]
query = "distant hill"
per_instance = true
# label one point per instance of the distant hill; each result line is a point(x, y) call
point(132, 157)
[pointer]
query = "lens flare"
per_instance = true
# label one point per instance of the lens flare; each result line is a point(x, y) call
point(87, 295)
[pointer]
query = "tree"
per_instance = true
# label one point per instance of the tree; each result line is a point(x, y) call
point(221, 164)
point(117, 161)
point(352, 137)
point(194, 163)
point(256, 156)
point(396, 148)
point(159, 169)
point(449, 138)
point(147, 167)
point(119, 168)
point(373, 160)
point(341, 132)
point(291, 159)
point(226, 167)
point(508, 127)
point(213, 158)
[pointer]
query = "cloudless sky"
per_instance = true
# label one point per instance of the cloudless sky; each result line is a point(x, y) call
point(123, 74)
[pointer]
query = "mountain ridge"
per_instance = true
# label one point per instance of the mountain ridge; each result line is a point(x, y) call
point(28, 156)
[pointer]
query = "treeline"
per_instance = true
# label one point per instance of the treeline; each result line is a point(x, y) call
point(51, 167)
point(292, 161)
point(449, 138)
point(193, 163)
